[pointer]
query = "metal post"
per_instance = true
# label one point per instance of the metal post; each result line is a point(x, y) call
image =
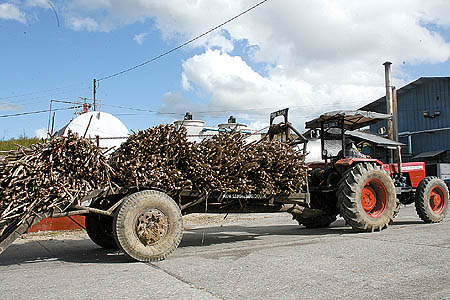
point(410, 145)
point(389, 98)
point(49, 119)
point(53, 124)
point(95, 93)
point(389, 105)
point(395, 113)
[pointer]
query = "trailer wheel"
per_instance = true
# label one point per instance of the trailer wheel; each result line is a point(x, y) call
point(148, 226)
point(367, 198)
point(431, 200)
point(99, 227)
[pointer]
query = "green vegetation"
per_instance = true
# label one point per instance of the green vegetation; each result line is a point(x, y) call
point(12, 143)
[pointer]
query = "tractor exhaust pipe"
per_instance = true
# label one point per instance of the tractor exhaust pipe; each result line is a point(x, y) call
point(389, 99)
point(391, 108)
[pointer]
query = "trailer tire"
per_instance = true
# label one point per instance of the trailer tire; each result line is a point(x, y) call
point(99, 230)
point(148, 226)
point(99, 227)
point(431, 199)
point(367, 198)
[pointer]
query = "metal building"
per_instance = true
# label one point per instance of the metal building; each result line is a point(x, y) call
point(423, 119)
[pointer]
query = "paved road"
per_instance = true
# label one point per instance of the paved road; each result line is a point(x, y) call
point(254, 257)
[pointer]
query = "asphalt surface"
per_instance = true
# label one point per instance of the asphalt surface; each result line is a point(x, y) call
point(244, 257)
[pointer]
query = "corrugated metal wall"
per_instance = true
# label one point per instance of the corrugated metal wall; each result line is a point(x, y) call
point(430, 94)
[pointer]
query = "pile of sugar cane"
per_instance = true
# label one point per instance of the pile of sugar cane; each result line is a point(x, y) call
point(49, 175)
point(163, 158)
point(54, 174)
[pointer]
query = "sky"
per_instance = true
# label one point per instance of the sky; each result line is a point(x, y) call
point(312, 56)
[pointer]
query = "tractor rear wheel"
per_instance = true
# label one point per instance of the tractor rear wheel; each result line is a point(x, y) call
point(431, 199)
point(367, 198)
point(148, 225)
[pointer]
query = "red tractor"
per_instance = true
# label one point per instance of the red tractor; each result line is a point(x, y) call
point(366, 192)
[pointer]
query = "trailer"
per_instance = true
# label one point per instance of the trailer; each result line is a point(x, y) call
point(147, 224)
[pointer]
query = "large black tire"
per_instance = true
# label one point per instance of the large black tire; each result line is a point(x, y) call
point(431, 200)
point(316, 222)
point(326, 205)
point(367, 198)
point(148, 226)
point(99, 227)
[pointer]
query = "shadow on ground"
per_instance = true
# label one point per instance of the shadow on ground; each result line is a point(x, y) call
point(85, 251)
point(73, 251)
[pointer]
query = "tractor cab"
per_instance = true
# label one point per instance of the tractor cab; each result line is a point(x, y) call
point(336, 128)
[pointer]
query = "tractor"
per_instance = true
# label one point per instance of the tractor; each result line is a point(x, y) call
point(366, 192)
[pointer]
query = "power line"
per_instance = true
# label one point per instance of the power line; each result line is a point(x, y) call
point(143, 110)
point(184, 44)
point(223, 111)
point(36, 112)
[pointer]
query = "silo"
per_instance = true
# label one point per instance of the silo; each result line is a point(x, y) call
point(110, 130)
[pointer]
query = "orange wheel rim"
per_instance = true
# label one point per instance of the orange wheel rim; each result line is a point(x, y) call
point(374, 198)
point(437, 200)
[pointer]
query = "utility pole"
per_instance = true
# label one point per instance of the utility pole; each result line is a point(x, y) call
point(95, 92)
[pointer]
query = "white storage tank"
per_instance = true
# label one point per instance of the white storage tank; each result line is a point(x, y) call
point(194, 128)
point(197, 131)
point(232, 125)
point(110, 130)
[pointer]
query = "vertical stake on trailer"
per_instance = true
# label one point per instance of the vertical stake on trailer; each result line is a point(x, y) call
point(53, 125)
point(49, 119)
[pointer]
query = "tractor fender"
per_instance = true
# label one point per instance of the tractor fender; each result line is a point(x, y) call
point(344, 163)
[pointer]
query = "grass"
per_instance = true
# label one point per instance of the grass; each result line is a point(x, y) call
point(12, 143)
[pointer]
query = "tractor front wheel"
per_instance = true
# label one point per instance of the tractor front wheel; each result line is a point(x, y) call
point(367, 198)
point(431, 199)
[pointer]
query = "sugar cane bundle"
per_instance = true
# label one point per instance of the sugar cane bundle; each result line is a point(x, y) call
point(162, 157)
point(49, 175)
point(155, 157)
point(275, 168)
point(218, 164)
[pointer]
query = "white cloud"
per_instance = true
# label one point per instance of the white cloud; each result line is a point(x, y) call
point(299, 31)
point(258, 125)
point(77, 23)
point(39, 3)
point(174, 102)
point(139, 38)
point(221, 42)
point(315, 55)
point(10, 106)
point(231, 85)
point(40, 133)
point(9, 11)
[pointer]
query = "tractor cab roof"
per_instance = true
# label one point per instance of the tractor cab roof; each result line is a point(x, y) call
point(353, 119)
point(372, 139)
